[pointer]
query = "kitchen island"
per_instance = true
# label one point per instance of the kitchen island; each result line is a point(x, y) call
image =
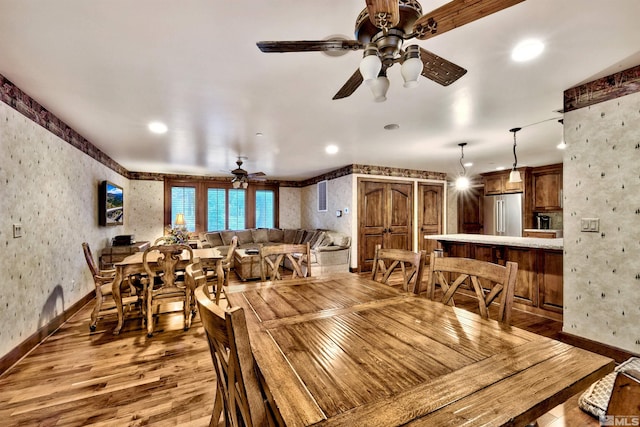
point(539, 284)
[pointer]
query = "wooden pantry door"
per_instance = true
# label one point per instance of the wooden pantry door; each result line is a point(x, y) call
point(385, 210)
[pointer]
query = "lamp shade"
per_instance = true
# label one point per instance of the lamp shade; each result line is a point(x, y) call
point(180, 219)
point(379, 88)
point(514, 176)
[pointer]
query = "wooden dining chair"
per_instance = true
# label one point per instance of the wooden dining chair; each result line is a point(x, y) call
point(160, 283)
point(488, 281)
point(227, 262)
point(239, 391)
point(273, 259)
point(103, 281)
point(409, 263)
point(196, 277)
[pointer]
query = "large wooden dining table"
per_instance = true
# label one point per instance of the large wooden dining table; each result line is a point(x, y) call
point(345, 350)
point(132, 265)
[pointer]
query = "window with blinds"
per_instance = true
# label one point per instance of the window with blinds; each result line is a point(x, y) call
point(210, 205)
point(183, 200)
point(236, 209)
point(265, 208)
point(216, 208)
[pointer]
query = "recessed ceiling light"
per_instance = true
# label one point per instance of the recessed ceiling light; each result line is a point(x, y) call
point(468, 164)
point(562, 145)
point(392, 126)
point(259, 134)
point(500, 168)
point(331, 149)
point(527, 50)
point(158, 127)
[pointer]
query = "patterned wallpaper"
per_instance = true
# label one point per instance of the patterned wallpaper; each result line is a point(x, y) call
point(51, 189)
point(602, 180)
point(146, 215)
point(339, 196)
point(289, 211)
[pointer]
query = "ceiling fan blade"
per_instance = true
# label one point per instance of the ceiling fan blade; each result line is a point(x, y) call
point(350, 86)
point(256, 175)
point(308, 45)
point(440, 70)
point(384, 13)
point(456, 14)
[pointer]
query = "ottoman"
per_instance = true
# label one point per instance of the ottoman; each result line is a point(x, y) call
point(247, 266)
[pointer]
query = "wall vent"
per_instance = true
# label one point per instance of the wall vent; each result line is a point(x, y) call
point(322, 196)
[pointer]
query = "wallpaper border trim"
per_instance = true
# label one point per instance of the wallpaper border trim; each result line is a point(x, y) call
point(604, 89)
point(14, 97)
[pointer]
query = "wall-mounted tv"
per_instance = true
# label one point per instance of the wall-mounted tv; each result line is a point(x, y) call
point(110, 204)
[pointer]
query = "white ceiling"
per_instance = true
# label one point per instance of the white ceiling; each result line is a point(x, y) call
point(107, 68)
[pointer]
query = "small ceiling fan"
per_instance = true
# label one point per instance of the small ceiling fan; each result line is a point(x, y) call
point(241, 177)
point(382, 28)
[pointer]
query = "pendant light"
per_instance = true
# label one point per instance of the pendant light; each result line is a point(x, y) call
point(462, 183)
point(514, 176)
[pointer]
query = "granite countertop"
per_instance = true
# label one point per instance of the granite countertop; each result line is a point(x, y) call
point(526, 242)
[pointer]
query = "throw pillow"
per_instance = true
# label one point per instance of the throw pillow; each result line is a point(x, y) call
point(214, 239)
point(244, 237)
point(276, 235)
point(260, 235)
point(227, 235)
point(289, 236)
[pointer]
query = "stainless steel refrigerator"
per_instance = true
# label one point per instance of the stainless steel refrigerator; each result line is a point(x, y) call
point(503, 215)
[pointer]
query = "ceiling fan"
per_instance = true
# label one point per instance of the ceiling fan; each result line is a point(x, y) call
point(382, 28)
point(241, 177)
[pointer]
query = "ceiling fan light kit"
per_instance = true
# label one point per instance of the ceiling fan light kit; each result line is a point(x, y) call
point(241, 177)
point(381, 30)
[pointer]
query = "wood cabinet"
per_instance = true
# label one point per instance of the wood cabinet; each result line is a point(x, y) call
point(498, 183)
point(470, 211)
point(547, 188)
point(550, 280)
point(526, 283)
point(539, 280)
point(385, 217)
point(540, 234)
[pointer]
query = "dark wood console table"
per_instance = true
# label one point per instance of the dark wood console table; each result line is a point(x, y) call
point(113, 254)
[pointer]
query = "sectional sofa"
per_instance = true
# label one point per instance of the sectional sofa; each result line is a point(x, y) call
point(329, 249)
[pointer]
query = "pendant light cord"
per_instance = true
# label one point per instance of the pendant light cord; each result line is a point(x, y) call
point(464, 170)
point(515, 157)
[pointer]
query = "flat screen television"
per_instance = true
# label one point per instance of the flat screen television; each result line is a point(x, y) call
point(110, 204)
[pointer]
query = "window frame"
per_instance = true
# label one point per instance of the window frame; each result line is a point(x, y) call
point(202, 186)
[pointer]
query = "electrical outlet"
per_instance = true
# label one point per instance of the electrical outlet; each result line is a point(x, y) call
point(17, 230)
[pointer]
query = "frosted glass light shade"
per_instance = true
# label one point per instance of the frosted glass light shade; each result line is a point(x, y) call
point(410, 70)
point(379, 88)
point(514, 176)
point(370, 67)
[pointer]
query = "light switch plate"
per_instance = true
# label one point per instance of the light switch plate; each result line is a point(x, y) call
point(590, 225)
point(17, 230)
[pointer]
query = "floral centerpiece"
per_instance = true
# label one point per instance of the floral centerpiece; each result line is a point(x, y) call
point(176, 235)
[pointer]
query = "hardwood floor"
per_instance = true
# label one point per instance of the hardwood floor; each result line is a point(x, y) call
point(77, 378)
